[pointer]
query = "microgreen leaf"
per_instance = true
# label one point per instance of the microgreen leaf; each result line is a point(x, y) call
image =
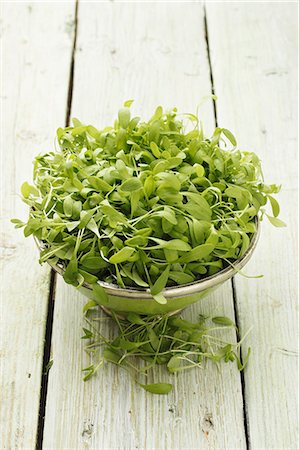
point(197, 253)
point(174, 342)
point(274, 205)
point(128, 103)
point(27, 189)
point(99, 184)
point(89, 305)
point(135, 318)
point(111, 356)
point(122, 255)
point(131, 185)
point(87, 334)
point(124, 117)
point(229, 136)
point(174, 363)
point(157, 388)
point(223, 321)
point(71, 272)
point(275, 221)
point(123, 203)
point(100, 295)
point(173, 244)
point(160, 284)
point(159, 298)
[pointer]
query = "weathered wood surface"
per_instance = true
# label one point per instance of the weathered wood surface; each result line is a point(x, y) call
point(255, 77)
point(156, 53)
point(163, 59)
point(36, 51)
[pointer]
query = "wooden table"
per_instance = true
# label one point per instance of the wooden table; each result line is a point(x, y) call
point(62, 60)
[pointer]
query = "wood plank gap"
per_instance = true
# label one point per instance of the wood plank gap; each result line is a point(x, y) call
point(243, 385)
point(210, 63)
point(72, 68)
point(46, 362)
point(234, 291)
point(51, 302)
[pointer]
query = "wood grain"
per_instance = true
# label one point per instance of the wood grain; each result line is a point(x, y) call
point(155, 53)
point(254, 54)
point(36, 49)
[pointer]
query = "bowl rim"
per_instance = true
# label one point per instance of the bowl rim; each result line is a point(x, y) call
point(173, 291)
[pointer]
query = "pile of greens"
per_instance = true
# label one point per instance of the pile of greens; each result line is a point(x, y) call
point(173, 342)
point(145, 204)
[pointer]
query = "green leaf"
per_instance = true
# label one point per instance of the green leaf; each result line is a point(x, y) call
point(135, 318)
point(201, 206)
point(181, 277)
point(199, 200)
point(241, 366)
point(88, 277)
point(131, 185)
point(173, 244)
point(245, 244)
point(155, 150)
point(18, 223)
point(100, 294)
point(99, 184)
point(125, 344)
point(122, 255)
point(136, 241)
point(276, 222)
point(234, 192)
point(124, 115)
point(159, 298)
point(71, 272)
point(229, 136)
point(89, 305)
point(274, 205)
point(93, 262)
point(133, 275)
point(68, 206)
point(27, 190)
point(174, 364)
point(199, 170)
point(128, 103)
point(111, 356)
point(168, 214)
point(158, 388)
point(112, 213)
point(92, 370)
point(149, 186)
point(154, 339)
point(223, 321)
point(198, 253)
point(92, 226)
point(72, 225)
point(160, 284)
point(158, 114)
point(154, 131)
point(87, 334)
point(85, 217)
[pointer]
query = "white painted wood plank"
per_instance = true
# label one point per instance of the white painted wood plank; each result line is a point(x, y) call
point(36, 50)
point(254, 54)
point(111, 412)
point(155, 53)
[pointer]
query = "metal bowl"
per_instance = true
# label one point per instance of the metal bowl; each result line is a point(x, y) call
point(141, 301)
